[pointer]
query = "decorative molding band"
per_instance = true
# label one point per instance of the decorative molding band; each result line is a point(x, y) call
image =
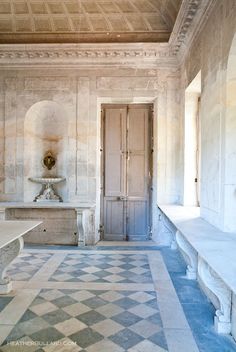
point(65, 54)
point(212, 281)
point(190, 256)
point(191, 18)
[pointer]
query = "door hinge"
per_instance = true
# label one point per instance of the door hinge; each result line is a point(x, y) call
point(101, 229)
point(149, 232)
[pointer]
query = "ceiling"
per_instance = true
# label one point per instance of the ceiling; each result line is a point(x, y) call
point(87, 21)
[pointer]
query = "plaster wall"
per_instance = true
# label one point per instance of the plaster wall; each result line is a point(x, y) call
point(209, 53)
point(78, 94)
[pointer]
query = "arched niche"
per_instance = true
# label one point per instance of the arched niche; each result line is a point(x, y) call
point(45, 129)
point(230, 142)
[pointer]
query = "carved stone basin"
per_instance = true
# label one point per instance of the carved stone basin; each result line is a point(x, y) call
point(47, 180)
point(47, 193)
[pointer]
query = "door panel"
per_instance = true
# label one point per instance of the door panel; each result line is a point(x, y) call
point(137, 126)
point(114, 156)
point(137, 173)
point(136, 180)
point(137, 220)
point(114, 220)
point(126, 172)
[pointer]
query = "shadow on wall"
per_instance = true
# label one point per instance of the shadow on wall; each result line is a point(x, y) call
point(45, 129)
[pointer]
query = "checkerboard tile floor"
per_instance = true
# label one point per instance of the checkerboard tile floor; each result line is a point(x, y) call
point(91, 320)
point(103, 301)
point(26, 265)
point(109, 268)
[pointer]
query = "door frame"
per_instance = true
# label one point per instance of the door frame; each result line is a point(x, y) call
point(150, 160)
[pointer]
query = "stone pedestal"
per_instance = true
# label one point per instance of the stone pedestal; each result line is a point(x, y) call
point(222, 327)
point(7, 255)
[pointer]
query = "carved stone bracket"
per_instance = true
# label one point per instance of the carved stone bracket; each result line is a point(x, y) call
point(89, 225)
point(80, 228)
point(167, 230)
point(85, 225)
point(212, 281)
point(7, 255)
point(173, 244)
point(2, 213)
point(189, 254)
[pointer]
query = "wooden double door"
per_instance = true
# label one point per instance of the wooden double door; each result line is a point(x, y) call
point(127, 172)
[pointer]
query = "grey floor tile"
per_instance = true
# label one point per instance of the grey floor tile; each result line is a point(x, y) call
point(155, 319)
point(56, 317)
point(47, 335)
point(4, 302)
point(94, 302)
point(159, 339)
point(64, 301)
point(86, 337)
point(126, 318)
point(91, 317)
point(126, 303)
point(27, 316)
point(126, 338)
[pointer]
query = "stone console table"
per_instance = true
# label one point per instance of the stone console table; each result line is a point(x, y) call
point(62, 223)
point(210, 255)
point(11, 243)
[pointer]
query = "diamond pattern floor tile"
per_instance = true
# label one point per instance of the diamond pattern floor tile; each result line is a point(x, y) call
point(104, 268)
point(88, 317)
point(90, 320)
point(26, 265)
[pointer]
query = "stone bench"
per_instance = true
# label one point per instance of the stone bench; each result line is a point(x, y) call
point(11, 243)
point(210, 255)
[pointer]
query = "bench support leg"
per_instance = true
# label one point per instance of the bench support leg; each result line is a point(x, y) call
point(216, 285)
point(7, 255)
point(166, 231)
point(190, 256)
point(80, 227)
point(85, 226)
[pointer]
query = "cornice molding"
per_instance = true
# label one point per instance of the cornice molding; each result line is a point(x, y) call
point(86, 54)
point(192, 17)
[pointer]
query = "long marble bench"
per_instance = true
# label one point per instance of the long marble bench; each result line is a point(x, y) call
point(11, 243)
point(210, 255)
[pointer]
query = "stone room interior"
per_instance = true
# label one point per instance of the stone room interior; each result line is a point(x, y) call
point(118, 175)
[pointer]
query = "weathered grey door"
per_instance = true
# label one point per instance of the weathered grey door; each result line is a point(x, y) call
point(126, 170)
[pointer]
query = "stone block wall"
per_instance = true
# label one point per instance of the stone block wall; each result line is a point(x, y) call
point(79, 94)
point(211, 53)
